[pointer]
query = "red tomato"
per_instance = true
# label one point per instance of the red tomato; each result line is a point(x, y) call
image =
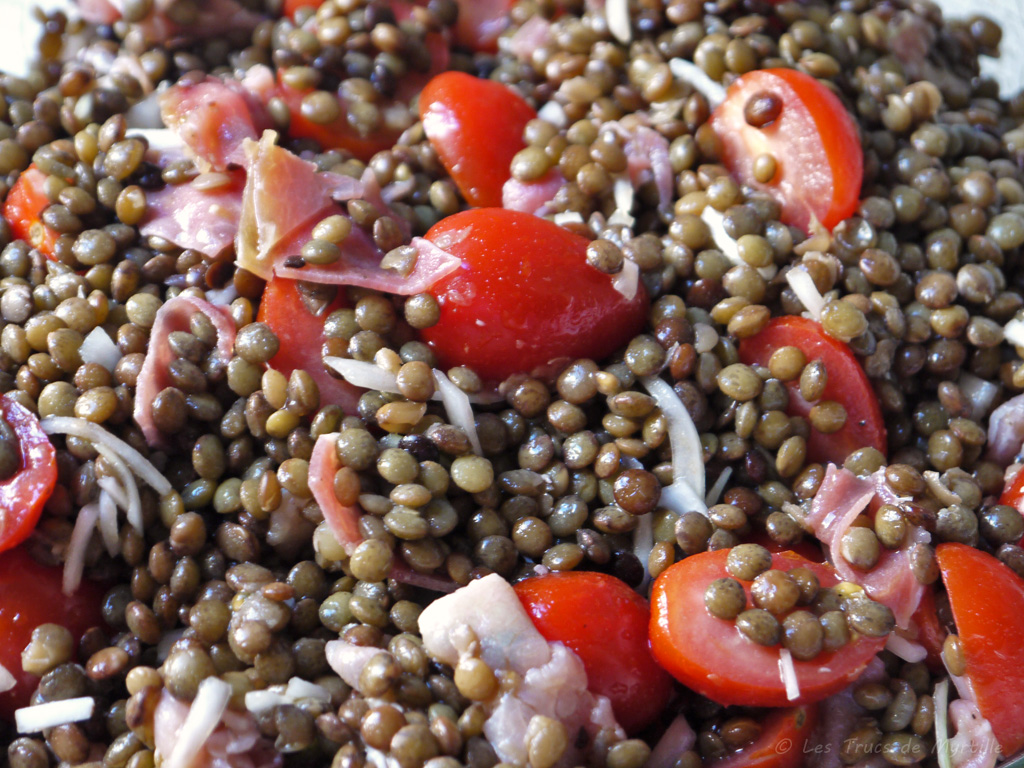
point(1013, 496)
point(301, 334)
point(604, 622)
point(523, 296)
point(712, 657)
point(291, 6)
point(23, 495)
point(24, 208)
point(847, 385)
point(987, 599)
point(476, 127)
point(929, 631)
point(783, 743)
point(30, 595)
point(480, 22)
point(814, 141)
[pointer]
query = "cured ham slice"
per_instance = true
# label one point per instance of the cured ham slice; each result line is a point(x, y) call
point(532, 196)
point(204, 218)
point(646, 153)
point(323, 466)
point(154, 376)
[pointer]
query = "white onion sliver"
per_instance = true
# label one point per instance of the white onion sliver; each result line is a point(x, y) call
point(74, 561)
point(906, 649)
point(1013, 332)
point(568, 217)
point(716, 223)
point(554, 113)
point(128, 485)
point(689, 72)
point(458, 408)
point(108, 523)
point(680, 498)
point(98, 348)
point(981, 394)
point(202, 720)
point(788, 672)
point(942, 749)
point(617, 13)
point(643, 543)
point(114, 490)
point(222, 296)
point(679, 737)
point(363, 374)
point(627, 281)
point(716, 490)
point(803, 286)
point(299, 689)
point(53, 713)
point(7, 680)
point(70, 425)
point(687, 453)
point(260, 701)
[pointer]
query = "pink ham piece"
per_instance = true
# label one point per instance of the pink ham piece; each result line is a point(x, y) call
point(532, 196)
point(323, 466)
point(1006, 431)
point(533, 34)
point(153, 378)
point(974, 745)
point(235, 743)
point(840, 499)
point(214, 18)
point(646, 154)
point(194, 216)
point(679, 737)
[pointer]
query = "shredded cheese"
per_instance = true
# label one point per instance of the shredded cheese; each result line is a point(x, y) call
point(788, 672)
point(202, 720)
point(38, 718)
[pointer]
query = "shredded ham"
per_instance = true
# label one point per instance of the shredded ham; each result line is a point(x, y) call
point(154, 377)
point(191, 216)
point(323, 466)
point(486, 618)
point(1006, 431)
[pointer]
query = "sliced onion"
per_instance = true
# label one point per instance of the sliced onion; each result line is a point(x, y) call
point(108, 523)
point(643, 543)
point(679, 737)
point(222, 296)
point(554, 113)
point(906, 649)
point(627, 281)
point(363, 374)
point(299, 689)
point(788, 672)
point(617, 14)
point(38, 718)
point(942, 749)
point(258, 702)
point(7, 681)
point(98, 348)
point(112, 488)
point(457, 406)
point(128, 485)
point(568, 217)
point(716, 490)
point(74, 562)
point(687, 452)
point(1013, 332)
point(803, 286)
point(981, 394)
point(727, 244)
point(202, 720)
point(690, 73)
point(624, 195)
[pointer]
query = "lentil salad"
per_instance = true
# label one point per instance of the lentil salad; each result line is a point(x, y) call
point(232, 565)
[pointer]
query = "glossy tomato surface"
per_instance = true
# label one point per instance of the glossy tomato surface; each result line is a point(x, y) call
point(847, 385)
point(476, 127)
point(480, 22)
point(24, 208)
point(523, 296)
point(814, 140)
point(783, 742)
point(30, 595)
point(987, 599)
point(712, 657)
point(605, 623)
point(23, 494)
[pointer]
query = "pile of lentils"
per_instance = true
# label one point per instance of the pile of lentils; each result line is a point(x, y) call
point(924, 278)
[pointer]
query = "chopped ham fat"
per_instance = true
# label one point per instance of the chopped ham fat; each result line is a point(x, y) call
point(485, 618)
point(974, 745)
point(190, 216)
point(154, 376)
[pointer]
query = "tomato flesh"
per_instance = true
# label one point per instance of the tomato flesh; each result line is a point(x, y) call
point(523, 296)
point(30, 595)
point(24, 208)
point(847, 384)
point(712, 657)
point(476, 127)
point(782, 743)
point(987, 599)
point(814, 140)
point(605, 623)
point(23, 495)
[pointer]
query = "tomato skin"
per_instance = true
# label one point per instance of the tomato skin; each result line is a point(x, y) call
point(23, 495)
point(847, 385)
point(930, 632)
point(987, 599)
point(785, 734)
point(573, 608)
point(291, 6)
point(23, 210)
point(523, 296)
point(476, 127)
point(30, 595)
point(480, 22)
point(710, 655)
point(814, 139)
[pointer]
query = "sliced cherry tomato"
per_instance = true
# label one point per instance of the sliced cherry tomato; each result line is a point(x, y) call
point(847, 384)
point(476, 127)
point(712, 657)
point(784, 741)
point(929, 630)
point(523, 296)
point(30, 595)
point(23, 494)
point(605, 623)
point(987, 599)
point(291, 6)
point(301, 334)
point(480, 22)
point(1013, 496)
point(24, 208)
point(806, 128)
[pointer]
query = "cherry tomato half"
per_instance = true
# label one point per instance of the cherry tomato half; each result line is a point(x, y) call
point(987, 599)
point(30, 595)
point(712, 657)
point(807, 130)
point(604, 622)
point(476, 127)
point(783, 741)
point(523, 296)
point(847, 384)
point(23, 494)
point(24, 208)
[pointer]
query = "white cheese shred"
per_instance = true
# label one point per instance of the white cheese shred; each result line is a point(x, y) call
point(803, 286)
point(38, 718)
point(98, 348)
point(788, 672)
point(457, 406)
point(617, 14)
point(202, 720)
point(690, 73)
point(942, 747)
point(7, 681)
point(74, 561)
